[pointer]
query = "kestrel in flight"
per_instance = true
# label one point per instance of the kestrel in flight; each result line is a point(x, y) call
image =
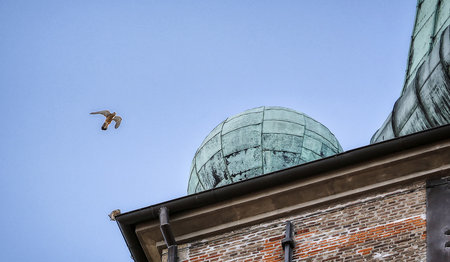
point(109, 118)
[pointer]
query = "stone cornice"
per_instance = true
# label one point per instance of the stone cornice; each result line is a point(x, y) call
point(290, 198)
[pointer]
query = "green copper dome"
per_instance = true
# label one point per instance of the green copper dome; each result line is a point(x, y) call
point(256, 142)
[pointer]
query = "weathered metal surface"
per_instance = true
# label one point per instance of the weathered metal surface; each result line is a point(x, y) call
point(438, 220)
point(256, 142)
point(432, 17)
point(425, 103)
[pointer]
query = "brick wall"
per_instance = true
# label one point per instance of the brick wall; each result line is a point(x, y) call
point(387, 226)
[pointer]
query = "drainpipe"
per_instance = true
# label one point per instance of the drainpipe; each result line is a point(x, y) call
point(288, 242)
point(169, 239)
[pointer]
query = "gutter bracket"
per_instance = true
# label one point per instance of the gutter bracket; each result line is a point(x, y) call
point(169, 239)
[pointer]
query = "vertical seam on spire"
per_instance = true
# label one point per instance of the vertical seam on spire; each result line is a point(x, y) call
point(441, 57)
point(394, 119)
point(410, 52)
point(304, 135)
point(196, 173)
point(435, 21)
point(262, 152)
point(227, 172)
point(419, 99)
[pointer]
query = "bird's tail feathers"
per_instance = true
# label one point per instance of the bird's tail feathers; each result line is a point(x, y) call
point(104, 126)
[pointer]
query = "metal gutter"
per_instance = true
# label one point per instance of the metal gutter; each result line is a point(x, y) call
point(127, 222)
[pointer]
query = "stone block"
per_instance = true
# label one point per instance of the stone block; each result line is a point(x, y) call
point(242, 121)
point(273, 160)
point(213, 133)
point(435, 97)
point(209, 149)
point(283, 114)
point(327, 151)
point(415, 123)
point(331, 142)
point(312, 144)
point(193, 181)
point(273, 126)
point(244, 160)
point(240, 139)
point(247, 174)
point(314, 126)
point(309, 155)
point(282, 142)
point(213, 172)
point(254, 110)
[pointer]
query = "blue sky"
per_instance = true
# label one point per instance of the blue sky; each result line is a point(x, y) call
point(173, 70)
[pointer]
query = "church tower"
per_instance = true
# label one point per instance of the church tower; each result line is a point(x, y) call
point(272, 184)
point(425, 99)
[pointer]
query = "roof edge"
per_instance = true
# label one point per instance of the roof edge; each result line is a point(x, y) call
point(127, 221)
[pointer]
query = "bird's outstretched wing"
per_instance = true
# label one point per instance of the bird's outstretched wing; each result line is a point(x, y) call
point(103, 112)
point(117, 119)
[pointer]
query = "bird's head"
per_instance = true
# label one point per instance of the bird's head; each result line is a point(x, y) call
point(113, 113)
